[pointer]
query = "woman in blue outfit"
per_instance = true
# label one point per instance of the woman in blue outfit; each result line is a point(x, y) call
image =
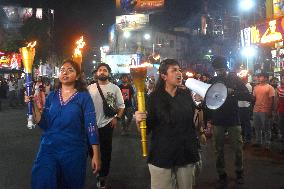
point(69, 123)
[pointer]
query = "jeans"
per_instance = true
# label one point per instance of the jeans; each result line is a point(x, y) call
point(237, 142)
point(262, 125)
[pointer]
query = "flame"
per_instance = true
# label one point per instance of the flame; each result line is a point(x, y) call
point(80, 44)
point(32, 44)
point(189, 74)
point(156, 57)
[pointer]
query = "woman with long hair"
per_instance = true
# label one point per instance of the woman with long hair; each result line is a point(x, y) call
point(174, 143)
point(69, 124)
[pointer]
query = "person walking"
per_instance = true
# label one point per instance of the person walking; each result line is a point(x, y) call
point(174, 142)
point(106, 94)
point(127, 93)
point(245, 113)
point(226, 119)
point(12, 92)
point(69, 124)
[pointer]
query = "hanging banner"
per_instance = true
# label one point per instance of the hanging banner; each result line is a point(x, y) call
point(130, 6)
point(268, 32)
point(278, 8)
point(132, 22)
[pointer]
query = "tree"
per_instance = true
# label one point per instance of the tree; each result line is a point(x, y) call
point(11, 42)
point(38, 30)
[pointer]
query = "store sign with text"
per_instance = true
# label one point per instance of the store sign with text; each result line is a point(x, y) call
point(10, 60)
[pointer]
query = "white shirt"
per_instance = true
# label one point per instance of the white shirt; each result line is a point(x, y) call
point(113, 97)
point(245, 104)
point(12, 85)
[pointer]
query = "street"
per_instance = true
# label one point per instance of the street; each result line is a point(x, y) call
point(18, 147)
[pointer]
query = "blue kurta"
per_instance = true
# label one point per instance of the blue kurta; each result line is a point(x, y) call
point(61, 160)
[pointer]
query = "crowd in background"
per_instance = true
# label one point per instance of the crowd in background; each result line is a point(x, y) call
point(13, 90)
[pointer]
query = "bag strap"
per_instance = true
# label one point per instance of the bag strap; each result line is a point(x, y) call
point(101, 93)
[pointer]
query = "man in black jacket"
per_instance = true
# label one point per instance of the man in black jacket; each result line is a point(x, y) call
point(226, 118)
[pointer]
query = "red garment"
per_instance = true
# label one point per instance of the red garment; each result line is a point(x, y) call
point(280, 91)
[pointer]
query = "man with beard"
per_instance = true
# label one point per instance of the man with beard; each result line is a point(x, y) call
point(106, 124)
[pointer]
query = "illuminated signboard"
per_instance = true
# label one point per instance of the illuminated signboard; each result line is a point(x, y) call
point(128, 6)
point(132, 22)
point(19, 14)
point(278, 8)
point(10, 60)
point(121, 63)
point(269, 32)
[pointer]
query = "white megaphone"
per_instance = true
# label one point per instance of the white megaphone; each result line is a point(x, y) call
point(214, 95)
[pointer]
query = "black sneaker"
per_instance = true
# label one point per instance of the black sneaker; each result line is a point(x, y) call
point(240, 178)
point(222, 182)
point(101, 183)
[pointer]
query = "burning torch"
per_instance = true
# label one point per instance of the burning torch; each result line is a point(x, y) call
point(28, 54)
point(139, 74)
point(77, 56)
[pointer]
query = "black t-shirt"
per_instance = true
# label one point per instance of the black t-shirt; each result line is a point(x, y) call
point(127, 94)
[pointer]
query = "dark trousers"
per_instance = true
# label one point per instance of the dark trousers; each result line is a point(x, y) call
point(128, 113)
point(105, 135)
point(245, 123)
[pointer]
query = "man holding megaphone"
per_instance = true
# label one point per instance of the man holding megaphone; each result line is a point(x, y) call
point(226, 118)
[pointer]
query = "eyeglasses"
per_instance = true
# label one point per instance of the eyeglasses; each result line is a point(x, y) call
point(69, 70)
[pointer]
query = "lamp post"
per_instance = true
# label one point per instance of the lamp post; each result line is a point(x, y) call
point(246, 6)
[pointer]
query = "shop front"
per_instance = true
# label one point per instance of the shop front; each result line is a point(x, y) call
point(10, 64)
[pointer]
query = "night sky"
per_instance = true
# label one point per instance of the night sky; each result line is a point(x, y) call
point(76, 17)
point(85, 17)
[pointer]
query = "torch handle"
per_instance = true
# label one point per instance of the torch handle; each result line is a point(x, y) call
point(142, 125)
point(29, 89)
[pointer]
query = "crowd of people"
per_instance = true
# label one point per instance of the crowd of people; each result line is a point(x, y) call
point(78, 121)
point(13, 89)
